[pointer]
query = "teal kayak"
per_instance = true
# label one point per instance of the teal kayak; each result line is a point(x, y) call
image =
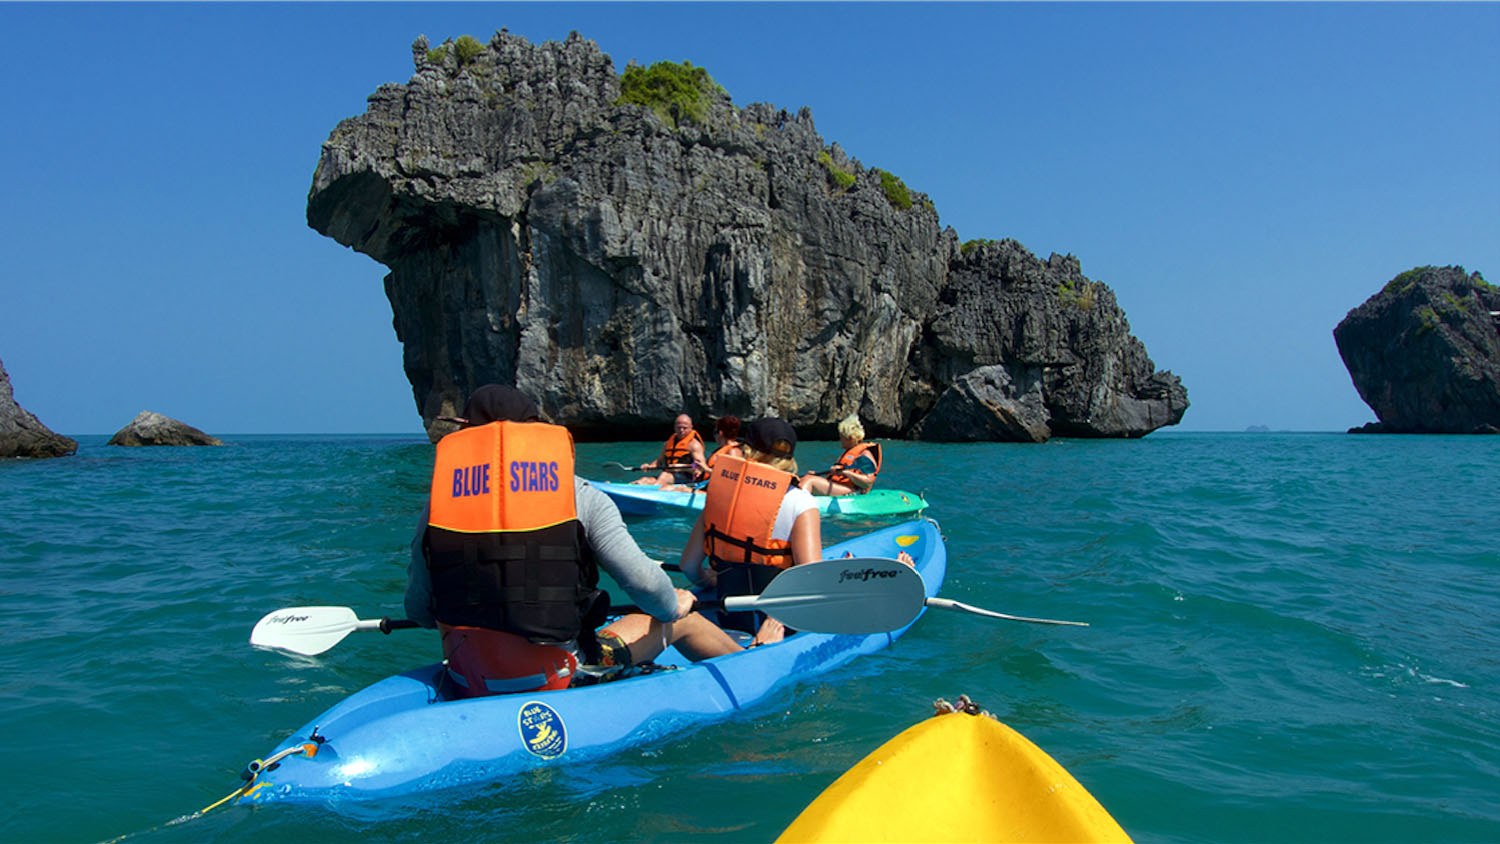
point(403, 735)
point(647, 500)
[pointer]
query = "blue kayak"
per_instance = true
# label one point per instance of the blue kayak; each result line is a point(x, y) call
point(400, 736)
point(647, 500)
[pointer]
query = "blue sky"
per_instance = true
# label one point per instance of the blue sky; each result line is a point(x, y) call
point(1241, 175)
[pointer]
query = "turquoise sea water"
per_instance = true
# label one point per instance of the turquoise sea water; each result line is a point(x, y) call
point(1296, 638)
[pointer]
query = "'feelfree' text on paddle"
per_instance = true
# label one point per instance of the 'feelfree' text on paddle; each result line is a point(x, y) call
point(865, 574)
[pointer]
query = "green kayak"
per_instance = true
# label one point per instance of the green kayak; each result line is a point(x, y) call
point(647, 500)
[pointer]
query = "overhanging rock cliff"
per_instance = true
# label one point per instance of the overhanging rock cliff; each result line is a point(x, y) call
point(623, 263)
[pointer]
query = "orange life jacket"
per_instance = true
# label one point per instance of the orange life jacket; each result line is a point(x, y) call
point(739, 516)
point(679, 452)
point(853, 454)
point(730, 449)
point(504, 554)
point(739, 513)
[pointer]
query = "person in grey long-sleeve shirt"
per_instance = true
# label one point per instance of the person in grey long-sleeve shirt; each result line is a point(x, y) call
point(614, 548)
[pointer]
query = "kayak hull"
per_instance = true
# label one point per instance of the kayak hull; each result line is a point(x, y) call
point(400, 736)
point(647, 500)
point(955, 777)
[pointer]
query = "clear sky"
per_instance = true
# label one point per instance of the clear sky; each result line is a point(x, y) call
point(1241, 175)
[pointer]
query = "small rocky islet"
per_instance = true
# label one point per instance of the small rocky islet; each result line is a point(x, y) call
point(149, 428)
point(1424, 353)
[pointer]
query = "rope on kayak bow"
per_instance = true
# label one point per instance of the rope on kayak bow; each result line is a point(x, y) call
point(964, 705)
point(249, 775)
point(256, 767)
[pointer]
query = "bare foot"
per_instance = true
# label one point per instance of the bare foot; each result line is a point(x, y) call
point(770, 631)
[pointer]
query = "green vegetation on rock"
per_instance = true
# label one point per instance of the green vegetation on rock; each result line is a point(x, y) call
point(843, 178)
point(896, 191)
point(970, 245)
point(1080, 296)
point(676, 92)
point(1428, 320)
point(1453, 304)
point(468, 49)
point(1405, 281)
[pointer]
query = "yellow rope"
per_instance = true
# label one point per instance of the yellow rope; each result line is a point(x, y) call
point(255, 768)
point(233, 794)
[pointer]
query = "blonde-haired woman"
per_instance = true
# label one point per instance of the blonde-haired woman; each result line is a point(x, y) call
point(855, 471)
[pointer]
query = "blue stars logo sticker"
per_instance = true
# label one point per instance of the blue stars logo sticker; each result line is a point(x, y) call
point(542, 730)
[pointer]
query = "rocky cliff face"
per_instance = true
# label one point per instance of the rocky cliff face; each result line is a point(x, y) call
point(623, 264)
point(1424, 353)
point(22, 434)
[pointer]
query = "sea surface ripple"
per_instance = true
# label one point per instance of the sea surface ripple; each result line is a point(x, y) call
point(1294, 638)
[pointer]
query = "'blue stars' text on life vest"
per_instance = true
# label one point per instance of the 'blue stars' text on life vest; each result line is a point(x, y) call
point(471, 480)
point(527, 476)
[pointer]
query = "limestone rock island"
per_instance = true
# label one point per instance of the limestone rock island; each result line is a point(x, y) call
point(1424, 353)
point(627, 247)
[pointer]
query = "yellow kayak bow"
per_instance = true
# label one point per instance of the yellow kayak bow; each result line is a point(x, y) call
point(956, 777)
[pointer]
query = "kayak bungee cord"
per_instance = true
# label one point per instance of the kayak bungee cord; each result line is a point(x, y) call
point(253, 771)
point(249, 775)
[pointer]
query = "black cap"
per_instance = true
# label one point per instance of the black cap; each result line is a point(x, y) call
point(772, 436)
point(499, 403)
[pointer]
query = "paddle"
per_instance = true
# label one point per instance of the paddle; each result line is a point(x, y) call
point(850, 596)
point(313, 630)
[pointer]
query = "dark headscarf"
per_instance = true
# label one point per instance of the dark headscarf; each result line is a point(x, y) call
point(499, 403)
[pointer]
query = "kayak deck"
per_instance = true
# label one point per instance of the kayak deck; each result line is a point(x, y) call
point(401, 736)
point(955, 777)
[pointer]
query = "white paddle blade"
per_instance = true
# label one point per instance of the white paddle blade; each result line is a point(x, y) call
point(853, 596)
point(304, 630)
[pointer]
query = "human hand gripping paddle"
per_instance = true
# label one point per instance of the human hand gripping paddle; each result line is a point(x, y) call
point(853, 596)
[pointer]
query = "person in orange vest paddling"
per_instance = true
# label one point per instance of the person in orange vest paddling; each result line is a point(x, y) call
point(756, 523)
point(855, 471)
point(507, 557)
point(680, 457)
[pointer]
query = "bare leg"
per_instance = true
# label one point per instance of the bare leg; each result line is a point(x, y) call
point(814, 484)
point(695, 636)
point(819, 485)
